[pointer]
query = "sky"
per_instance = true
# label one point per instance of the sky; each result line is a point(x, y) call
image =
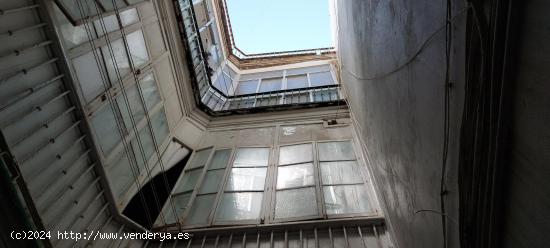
point(261, 26)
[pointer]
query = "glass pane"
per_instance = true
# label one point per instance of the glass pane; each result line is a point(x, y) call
point(78, 11)
point(138, 51)
point(247, 157)
point(346, 199)
point(160, 126)
point(200, 210)
point(341, 150)
point(241, 103)
point(224, 83)
point(89, 75)
point(128, 17)
point(199, 159)
point(188, 181)
point(135, 105)
point(73, 35)
point(325, 95)
point(296, 98)
point(309, 69)
point(246, 179)
point(220, 159)
point(108, 4)
point(295, 176)
point(240, 206)
point(105, 129)
point(106, 25)
point(340, 172)
point(295, 154)
point(179, 204)
point(268, 101)
point(118, 60)
point(120, 175)
point(270, 84)
point(294, 82)
point(150, 91)
point(146, 140)
point(246, 87)
point(321, 78)
point(296, 203)
point(211, 181)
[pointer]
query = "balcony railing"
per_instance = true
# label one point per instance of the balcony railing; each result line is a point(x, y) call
point(215, 101)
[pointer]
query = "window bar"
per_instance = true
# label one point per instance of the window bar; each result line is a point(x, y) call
point(50, 141)
point(175, 243)
point(378, 241)
point(346, 236)
point(11, 33)
point(286, 238)
point(76, 202)
point(243, 245)
point(361, 236)
point(9, 11)
point(330, 236)
point(217, 241)
point(36, 108)
point(25, 49)
point(58, 157)
point(86, 209)
point(64, 171)
point(24, 71)
point(30, 91)
point(271, 239)
point(44, 125)
point(203, 241)
point(230, 240)
point(189, 242)
point(258, 240)
point(316, 237)
point(301, 239)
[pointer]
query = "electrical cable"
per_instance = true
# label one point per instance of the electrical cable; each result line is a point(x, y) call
point(408, 61)
point(119, 79)
point(149, 124)
point(110, 99)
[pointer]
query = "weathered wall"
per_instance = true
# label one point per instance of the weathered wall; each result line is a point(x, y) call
point(399, 108)
point(526, 217)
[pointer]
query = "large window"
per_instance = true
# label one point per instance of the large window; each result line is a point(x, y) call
point(311, 180)
point(115, 59)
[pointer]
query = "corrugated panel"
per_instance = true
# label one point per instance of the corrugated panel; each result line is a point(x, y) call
point(43, 133)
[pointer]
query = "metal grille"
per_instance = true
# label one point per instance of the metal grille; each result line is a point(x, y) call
point(353, 236)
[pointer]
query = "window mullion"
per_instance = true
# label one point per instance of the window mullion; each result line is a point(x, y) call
point(198, 184)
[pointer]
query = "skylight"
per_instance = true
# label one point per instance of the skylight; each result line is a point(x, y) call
point(265, 26)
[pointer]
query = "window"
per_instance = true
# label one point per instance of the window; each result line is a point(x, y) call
point(343, 188)
point(321, 78)
point(183, 190)
point(247, 87)
point(204, 202)
point(313, 180)
point(295, 191)
point(270, 84)
point(78, 10)
point(295, 82)
point(244, 190)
